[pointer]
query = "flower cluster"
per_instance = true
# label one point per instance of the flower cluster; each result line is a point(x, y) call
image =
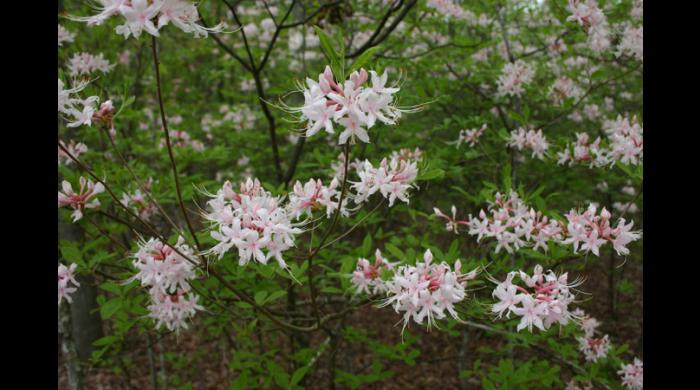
point(64, 35)
point(626, 140)
point(304, 47)
point(182, 139)
point(167, 273)
point(452, 221)
point(150, 16)
point(625, 207)
point(312, 195)
point(583, 151)
point(563, 89)
point(591, 18)
point(86, 63)
point(367, 276)
point(592, 231)
point(632, 42)
point(241, 116)
point(253, 221)
point(392, 178)
point(351, 105)
point(633, 375)
point(625, 143)
point(470, 136)
point(511, 223)
point(248, 85)
point(65, 275)
point(513, 77)
point(556, 45)
point(173, 310)
point(530, 139)
point(573, 385)
point(104, 116)
point(450, 9)
point(262, 33)
point(426, 290)
point(407, 155)
point(587, 323)
point(74, 149)
point(338, 166)
point(137, 202)
point(81, 200)
point(297, 40)
point(69, 105)
point(124, 57)
point(547, 301)
point(593, 348)
point(591, 112)
point(637, 10)
point(161, 267)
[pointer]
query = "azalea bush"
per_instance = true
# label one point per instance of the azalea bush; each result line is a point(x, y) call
point(334, 194)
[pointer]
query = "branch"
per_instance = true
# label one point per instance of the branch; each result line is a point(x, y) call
point(170, 148)
point(227, 49)
point(431, 49)
point(311, 16)
point(255, 70)
point(295, 160)
point(328, 231)
point(582, 98)
point(375, 39)
point(140, 183)
point(274, 38)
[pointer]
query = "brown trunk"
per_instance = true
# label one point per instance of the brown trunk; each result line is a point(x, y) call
point(85, 317)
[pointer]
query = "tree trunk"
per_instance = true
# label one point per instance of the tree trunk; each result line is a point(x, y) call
point(70, 355)
point(86, 324)
point(86, 321)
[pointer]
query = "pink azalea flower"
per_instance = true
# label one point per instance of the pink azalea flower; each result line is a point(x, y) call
point(81, 200)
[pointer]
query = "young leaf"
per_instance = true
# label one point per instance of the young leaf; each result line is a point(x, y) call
point(363, 58)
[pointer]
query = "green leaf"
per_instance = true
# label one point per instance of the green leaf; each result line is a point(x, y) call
point(628, 170)
point(71, 253)
point(453, 250)
point(431, 174)
point(129, 101)
point(244, 305)
point(507, 177)
point(363, 58)
point(278, 374)
point(260, 297)
point(107, 340)
point(598, 74)
point(110, 308)
point(326, 45)
point(487, 384)
point(503, 134)
point(331, 290)
point(111, 287)
point(622, 349)
point(366, 245)
point(276, 295)
point(335, 58)
point(395, 251)
point(298, 375)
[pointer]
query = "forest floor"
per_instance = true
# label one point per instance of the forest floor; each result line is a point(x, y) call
point(440, 361)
